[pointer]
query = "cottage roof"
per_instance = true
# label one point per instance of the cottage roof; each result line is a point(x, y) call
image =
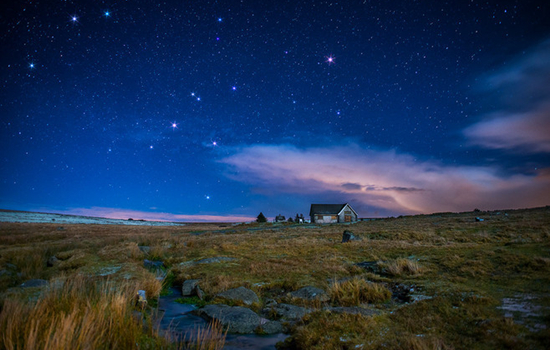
point(326, 209)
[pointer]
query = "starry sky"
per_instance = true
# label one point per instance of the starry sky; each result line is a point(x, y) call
point(217, 110)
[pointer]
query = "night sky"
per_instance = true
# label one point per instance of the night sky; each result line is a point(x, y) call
point(217, 110)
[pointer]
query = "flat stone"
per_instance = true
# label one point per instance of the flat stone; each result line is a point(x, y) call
point(241, 294)
point(354, 310)
point(34, 283)
point(310, 293)
point(213, 260)
point(235, 319)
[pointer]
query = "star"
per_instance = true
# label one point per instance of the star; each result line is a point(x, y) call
point(151, 147)
point(198, 98)
point(174, 125)
point(234, 88)
point(330, 59)
point(31, 65)
point(220, 19)
point(207, 197)
point(74, 18)
point(106, 13)
point(192, 94)
point(214, 143)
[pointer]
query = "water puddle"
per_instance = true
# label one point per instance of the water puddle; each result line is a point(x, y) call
point(179, 322)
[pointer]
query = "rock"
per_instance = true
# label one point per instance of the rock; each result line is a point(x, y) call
point(370, 266)
point(354, 310)
point(144, 248)
point(141, 298)
point(310, 293)
point(348, 236)
point(235, 319)
point(52, 261)
point(34, 283)
point(199, 292)
point(288, 311)
point(270, 327)
point(270, 302)
point(478, 219)
point(213, 260)
point(239, 295)
point(153, 265)
point(188, 288)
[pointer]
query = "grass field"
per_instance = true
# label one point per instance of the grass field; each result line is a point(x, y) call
point(441, 281)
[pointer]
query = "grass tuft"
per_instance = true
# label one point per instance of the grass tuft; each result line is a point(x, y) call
point(356, 291)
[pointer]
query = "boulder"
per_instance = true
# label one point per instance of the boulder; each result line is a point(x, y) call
point(235, 319)
point(239, 295)
point(34, 283)
point(348, 236)
point(52, 261)
point(188, 288)
point(310, 293)
point(288, 312)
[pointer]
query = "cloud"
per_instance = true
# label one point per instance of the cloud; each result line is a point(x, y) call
point(526, 132)
point(523, 124)
point(118, 213)
point(397, 183)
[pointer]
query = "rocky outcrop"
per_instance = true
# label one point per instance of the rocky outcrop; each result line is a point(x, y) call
point(213, 260)
point(235, 319)
point(239, 295)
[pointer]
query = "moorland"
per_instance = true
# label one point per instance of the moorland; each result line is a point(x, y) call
point(476, 280)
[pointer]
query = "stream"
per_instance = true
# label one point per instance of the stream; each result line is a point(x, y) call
point(178, 320)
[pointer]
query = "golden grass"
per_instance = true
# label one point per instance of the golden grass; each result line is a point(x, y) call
point(73, 313)
point(469, 266)
point(211, 337)
point(401, 267)
point(356, 291)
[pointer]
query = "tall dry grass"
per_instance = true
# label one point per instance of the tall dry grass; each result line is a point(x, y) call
point(75, 313)
point(356, 291)
point(211, 337)
point(401, 267)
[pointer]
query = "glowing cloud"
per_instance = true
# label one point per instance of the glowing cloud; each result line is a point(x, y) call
point(385, 179)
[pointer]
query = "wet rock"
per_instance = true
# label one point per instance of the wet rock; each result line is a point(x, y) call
point(310, 293)
point(235, 319)
point(199, 292)
point(52, 261)
point(239, 295)
point(348, 236)
point(354, 310)
point(288, 311)
point(188, 288)
point(34, 283)
point(270, 327)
